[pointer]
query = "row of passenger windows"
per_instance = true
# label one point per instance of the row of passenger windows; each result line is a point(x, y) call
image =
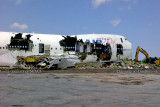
point(45, 48)
point(18, 46)
point(27, 47)
point(13, 47)
point(51, 48)
point(56, 48)
point(22, 47)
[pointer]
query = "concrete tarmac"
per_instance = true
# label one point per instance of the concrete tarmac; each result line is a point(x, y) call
point(79, 90)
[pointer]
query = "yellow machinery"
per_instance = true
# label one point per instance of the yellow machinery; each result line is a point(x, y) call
point(157, 62)
point(142, 51)
point(148, 59)
point(29, 59)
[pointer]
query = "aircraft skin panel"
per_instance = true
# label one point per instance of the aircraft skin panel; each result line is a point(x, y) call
point(52, 40)
point(7, 59)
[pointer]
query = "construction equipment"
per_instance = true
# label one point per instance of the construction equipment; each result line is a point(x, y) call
point(150, 60)
point(142, 51)
point(157, 62)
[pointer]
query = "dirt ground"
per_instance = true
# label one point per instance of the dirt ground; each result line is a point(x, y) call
point(54, 89)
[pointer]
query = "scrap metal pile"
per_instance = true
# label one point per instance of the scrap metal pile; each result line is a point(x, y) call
point(42, 62)
point(47, 62)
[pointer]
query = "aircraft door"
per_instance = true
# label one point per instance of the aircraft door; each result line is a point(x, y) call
point(41, 48)
point(107, 52)
point(119, 49)
point(47, 49)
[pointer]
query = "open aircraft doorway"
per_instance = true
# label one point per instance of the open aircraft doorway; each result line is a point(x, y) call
point(107, 52)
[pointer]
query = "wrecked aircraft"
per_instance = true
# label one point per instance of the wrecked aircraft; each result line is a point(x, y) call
point(58, 51)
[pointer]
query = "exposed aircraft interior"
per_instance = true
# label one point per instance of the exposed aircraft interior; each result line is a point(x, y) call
point(19, 43)
point(72, 44)
point(68, 43)
point(119, 49)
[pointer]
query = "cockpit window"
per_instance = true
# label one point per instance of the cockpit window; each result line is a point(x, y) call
point(121, 40)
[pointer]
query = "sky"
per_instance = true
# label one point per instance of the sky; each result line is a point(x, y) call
point(137, 20)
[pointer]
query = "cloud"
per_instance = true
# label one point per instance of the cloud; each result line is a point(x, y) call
point(18, 2)
point(19, 26)
point(115, 22)
point(97, 3)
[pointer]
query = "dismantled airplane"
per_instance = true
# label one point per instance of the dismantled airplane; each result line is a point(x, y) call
point(44, 50)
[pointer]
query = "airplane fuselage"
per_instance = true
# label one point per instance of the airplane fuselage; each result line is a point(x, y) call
point(45, 44)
